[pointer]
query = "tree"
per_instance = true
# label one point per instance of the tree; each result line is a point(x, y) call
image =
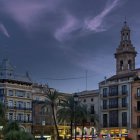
point(82, 116)
point(52, 100)
point(12, 131)
point(2, 115)
point(25, 136)
point(66, 112)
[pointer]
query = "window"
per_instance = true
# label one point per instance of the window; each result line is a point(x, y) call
point(124, 89)
point(138, 92)
point(105, 92)
point(113, 91)
point(20, 104)
point(10, 103)
point(11, 93)
point(10, 116)
point(20, 117)
point(28, 105)
point(124, 102)
point(129, 64)
point(91, 99)
point(20, 93)
point(28, 95)
point(124, 118)
point(113, 103)
point(121, 65)
point(37, 98)
point(104, 104)
point(113, 118)
point(92, 109)
point(138, 121)
point(138, 105)
point(28, 117)
point(84, 100)
point(1, 95)
point(104, 120)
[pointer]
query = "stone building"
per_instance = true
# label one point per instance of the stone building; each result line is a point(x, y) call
point(43, 123)
point(116, 96)
point(90, 99)
point(16, 94)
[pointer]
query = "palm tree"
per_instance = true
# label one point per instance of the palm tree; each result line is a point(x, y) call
point(66, 112)
point(82, 115)
point(52, 100)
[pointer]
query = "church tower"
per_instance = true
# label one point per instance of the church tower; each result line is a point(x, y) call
point(125, 53)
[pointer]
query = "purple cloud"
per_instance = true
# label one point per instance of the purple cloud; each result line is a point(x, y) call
point(96, 23)
point(70, 25)
point(4, 30)
point(27, 12)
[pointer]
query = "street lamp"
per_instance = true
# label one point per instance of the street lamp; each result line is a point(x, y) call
point(75, 103)
point(43, 124)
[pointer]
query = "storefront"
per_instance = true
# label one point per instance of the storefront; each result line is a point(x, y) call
point(89, 133)
point(116, 133)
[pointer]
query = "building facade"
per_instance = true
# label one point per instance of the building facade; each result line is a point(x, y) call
point(136, 108)
point(116, 96)
point(89, 98)
point(43, 123)
point(16, 94)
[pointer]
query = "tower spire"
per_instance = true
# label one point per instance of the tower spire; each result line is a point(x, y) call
point(125, 53)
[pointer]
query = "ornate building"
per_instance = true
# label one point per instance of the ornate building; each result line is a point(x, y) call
point(16, 94)
point(116, 92)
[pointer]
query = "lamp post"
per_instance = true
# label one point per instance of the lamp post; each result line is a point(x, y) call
point(75, 103)
point(43, 124)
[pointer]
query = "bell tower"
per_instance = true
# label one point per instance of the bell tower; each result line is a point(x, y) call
point(125, 53)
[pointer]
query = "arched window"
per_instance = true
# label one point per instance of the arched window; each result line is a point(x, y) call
point(121, 65)
point(129, 64)
point(127, 36)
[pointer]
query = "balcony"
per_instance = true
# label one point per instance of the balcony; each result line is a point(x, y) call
point(113, 94)
point(114, 107)
point(18, 108)
point(10, 107)
point(124, 93)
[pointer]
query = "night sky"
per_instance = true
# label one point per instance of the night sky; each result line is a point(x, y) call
point(59, 41)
